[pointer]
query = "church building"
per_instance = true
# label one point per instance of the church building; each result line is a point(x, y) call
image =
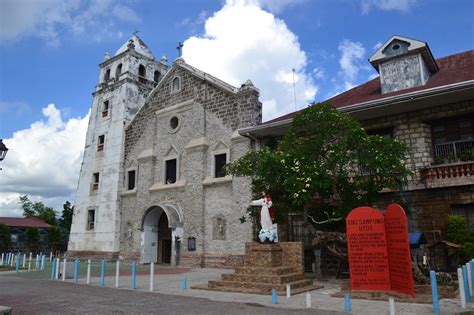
point(152, 186)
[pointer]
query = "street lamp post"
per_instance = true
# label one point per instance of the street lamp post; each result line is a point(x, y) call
point(3, 151)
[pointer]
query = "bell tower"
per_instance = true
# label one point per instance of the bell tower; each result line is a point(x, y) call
point(125, 80)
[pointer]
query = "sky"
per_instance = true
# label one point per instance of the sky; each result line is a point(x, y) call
point(50, 51)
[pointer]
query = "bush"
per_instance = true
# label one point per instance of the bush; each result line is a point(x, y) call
point(466, 251)
point(458, 230)
point(32, 237)
point(4, 237)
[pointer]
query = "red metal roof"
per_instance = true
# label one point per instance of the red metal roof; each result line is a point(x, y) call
point(452, 69)
point(24, 222)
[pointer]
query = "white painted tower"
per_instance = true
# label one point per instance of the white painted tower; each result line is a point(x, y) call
point(125, 81)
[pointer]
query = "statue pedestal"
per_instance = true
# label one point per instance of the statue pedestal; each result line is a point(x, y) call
point(267, 266)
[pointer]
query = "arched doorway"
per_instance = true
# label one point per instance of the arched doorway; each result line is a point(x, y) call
point(156, 237)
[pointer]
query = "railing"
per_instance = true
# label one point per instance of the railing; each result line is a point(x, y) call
point(462, 150)
point(454, 174)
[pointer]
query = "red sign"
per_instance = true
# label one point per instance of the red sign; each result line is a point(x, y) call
point(399, 258)
point(367, 250)
point(379, 251)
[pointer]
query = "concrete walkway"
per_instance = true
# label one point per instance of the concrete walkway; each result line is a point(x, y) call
point(320, 299)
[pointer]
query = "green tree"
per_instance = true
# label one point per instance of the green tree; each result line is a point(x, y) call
point(66, 217)
point(4, 237)
point(32, 238)
point(38, 210)
point(457, 230)
point(54, 238)
point(325, 165)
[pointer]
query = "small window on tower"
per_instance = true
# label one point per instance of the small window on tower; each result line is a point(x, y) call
point(107, 75)
point(105, 109)
point(219, 161)
point(176, 85)
point(95, 181)
point(170, 171)
point(90, 219)
point(131, 180)
point(100, 143)
point(157, 76)
point(141, 71)
point(118, 72)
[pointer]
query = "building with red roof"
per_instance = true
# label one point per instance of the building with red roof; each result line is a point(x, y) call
point(428, 104)
point(18, 227)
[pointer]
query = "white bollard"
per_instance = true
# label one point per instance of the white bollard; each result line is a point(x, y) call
point(63, 272)
point(391, 303)
point(29, 264)
point(88, 278)
point(152, 275)
point(1, 261)
point(117, 273)
point(50, 256)
point(288, 291)
point(12, 260)
point(43, 261)
point(24, 260)
point(57, 269)
point(308, 299)
point(469, 277)
point(462, 292)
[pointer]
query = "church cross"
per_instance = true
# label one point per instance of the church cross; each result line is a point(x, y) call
point(136, 32)
point(180, 49)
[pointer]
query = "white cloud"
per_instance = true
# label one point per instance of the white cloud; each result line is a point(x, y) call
point(277, 6)
point(387, 5)
point(52, 19)
point(377, 46)
point(319, 73)
point(351, 61)
point(242, 41)
point(43, 161)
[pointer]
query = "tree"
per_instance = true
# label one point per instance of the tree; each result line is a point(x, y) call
point(54, 238)
point(32, 238)
point(325, 165)
point(4, 237)
point(66, 217)
point(37, 210)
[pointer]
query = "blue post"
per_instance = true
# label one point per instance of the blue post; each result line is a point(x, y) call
point(466, 284)
point(38, 263)
point(102, 270)
point(347, 303)
point(53, 269)
point(183, 283)
point(76, 269)
point(17, 263)
point(134, 274)
point(471, 263)
point(274, 296)
point(434, 292)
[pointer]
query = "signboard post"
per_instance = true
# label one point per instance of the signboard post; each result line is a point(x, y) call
point(379, 251)
point(367, 249)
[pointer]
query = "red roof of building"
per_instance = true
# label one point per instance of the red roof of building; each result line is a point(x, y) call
point(452, 69)
point(24, 222)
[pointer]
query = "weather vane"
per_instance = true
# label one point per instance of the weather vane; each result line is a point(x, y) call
point(180, 49)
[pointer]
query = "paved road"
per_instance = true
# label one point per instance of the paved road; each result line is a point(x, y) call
point(40, 296)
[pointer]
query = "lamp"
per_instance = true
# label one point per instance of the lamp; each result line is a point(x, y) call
point(191, 243)
point(3, 150)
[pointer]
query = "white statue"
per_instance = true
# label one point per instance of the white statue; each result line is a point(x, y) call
point(267, 215)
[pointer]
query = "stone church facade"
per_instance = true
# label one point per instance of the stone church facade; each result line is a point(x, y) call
point(151, 186)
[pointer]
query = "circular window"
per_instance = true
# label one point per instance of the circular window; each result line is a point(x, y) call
point(396, 47)
point(174, 122)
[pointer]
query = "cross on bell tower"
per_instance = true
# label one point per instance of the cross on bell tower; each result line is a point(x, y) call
point(180, 49)
point(136, 32)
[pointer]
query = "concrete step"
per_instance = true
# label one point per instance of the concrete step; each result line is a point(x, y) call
point(263, 287)
point(269, 279)
point(256, 290)
point(265, 271)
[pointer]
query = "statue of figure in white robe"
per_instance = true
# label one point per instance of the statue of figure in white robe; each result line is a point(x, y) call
point(268, 230)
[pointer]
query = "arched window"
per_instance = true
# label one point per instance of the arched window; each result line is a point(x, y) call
point(107, 75)
point(118, 72)
point(176, 86)
point(156, 76)
point(142, 71)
